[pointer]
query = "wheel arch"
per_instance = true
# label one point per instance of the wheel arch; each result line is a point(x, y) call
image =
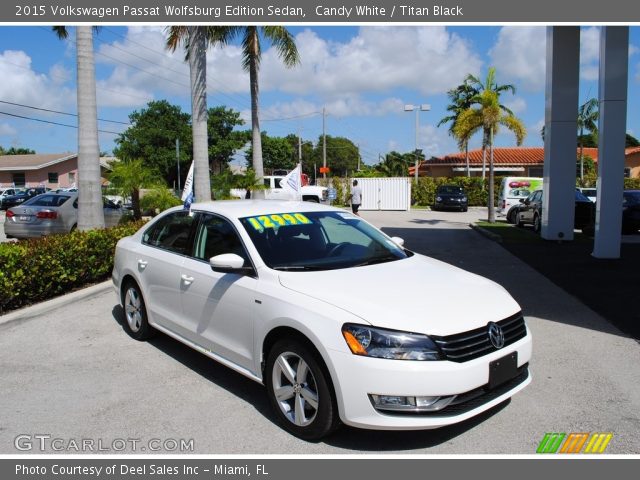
point(291, 332)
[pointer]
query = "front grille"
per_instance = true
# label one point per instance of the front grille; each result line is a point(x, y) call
point(466, 346)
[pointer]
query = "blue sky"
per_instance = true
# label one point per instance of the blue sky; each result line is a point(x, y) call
point(362, 75)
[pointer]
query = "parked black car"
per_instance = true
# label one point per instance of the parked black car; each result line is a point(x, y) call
point(451, 197)
point(530, 212)
point(19, 198)
point(630, 211)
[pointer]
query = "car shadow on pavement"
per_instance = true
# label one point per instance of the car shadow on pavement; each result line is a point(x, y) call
point(240, 386)
point(255, 395)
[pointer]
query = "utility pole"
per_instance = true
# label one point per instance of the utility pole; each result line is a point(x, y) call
point(324, 143)
point(178, 160)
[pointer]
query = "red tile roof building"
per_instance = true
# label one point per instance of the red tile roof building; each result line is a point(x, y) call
point(524, 161)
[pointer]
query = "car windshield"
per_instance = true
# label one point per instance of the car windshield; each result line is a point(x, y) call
point(589, 192)
point(519, 193)
point(319, 241)
point(47, 200)
point(450, 190)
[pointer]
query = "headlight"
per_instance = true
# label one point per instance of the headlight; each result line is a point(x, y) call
point(464, 199)
point(438, 199)
point(392, 344)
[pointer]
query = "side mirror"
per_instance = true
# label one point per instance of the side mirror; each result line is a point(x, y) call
point(228, 263)
point(398, 241)
point(522, 200)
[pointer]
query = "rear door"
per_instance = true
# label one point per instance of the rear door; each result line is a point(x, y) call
point(159, 259)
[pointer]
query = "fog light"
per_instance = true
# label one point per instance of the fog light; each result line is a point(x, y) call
point(426, 401)
point(399, 403)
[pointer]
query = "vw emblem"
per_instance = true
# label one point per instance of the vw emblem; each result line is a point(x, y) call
point(496, 335)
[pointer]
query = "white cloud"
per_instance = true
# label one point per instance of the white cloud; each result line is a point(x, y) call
point(428, 59)
point(21, 84)
point(589, 53)
point(377, 59)
point(516, 105)
point(435, 142)
point(7, 130)
point(519, 56)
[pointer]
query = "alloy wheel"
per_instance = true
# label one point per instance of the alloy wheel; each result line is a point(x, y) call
point(295, 389)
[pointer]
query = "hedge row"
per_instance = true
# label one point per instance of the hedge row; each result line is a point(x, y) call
point(38, 269)
point(477, 189)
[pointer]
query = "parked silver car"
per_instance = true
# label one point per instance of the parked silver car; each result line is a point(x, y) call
point(51, 213)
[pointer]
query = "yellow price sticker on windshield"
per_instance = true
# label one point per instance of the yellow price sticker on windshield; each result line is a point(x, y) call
point(276, 221)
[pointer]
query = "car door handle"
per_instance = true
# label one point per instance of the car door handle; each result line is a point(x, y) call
point(187, 279)
point(142, 264)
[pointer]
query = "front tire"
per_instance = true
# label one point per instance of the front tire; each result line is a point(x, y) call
point(299, 390)
point(518, 220)
point(135, 312)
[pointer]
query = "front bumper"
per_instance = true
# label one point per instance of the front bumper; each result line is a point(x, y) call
point(358, 377)
point(451, 204)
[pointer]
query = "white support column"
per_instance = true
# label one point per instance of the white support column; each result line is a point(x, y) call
point(614, 64)
point(560, 138)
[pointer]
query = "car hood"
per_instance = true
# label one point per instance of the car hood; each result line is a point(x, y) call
point(416, 294)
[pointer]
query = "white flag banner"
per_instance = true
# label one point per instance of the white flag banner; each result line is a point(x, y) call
point(292, 182)
point(187, 193)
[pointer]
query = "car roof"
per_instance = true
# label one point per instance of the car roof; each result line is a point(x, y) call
point(249, 208)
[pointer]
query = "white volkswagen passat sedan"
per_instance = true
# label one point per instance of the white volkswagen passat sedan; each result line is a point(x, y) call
point(336, 319)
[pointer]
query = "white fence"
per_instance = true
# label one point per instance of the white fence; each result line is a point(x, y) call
point(385, 193)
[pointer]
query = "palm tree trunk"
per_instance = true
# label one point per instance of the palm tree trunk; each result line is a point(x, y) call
point(492, 212)
point(466, 158)
point(90, 213)
point(255, 110)
point(484, 159)
point(581, 156)
point(198, 75)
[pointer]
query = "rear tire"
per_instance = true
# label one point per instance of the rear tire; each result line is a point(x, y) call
point(536, 223)
point(300, 391)
point(135, 313)
point(518, 221)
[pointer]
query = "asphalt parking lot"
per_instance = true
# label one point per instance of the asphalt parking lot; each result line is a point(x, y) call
point(73, 373)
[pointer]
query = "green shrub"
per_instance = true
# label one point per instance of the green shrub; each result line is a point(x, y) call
point(38, 269)
point(158, 200)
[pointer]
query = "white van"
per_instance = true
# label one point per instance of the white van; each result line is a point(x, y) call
point(512, 190)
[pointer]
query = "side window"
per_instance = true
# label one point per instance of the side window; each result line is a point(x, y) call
point(171, 233)
point(216, 236)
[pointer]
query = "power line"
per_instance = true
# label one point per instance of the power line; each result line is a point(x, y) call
point(58, 112)
point(51, 122)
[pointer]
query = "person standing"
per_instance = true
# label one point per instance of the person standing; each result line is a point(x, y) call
point(356, 197)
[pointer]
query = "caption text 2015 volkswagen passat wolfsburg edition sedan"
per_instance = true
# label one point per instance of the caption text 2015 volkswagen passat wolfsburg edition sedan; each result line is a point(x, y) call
point(336, 319)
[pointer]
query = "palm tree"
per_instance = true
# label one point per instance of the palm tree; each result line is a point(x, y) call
point(460, 98)
point(487, 115)
point(127, 177)
point(489, 84)
point(194, 39)
point(90, 213)
point(251, 55)
point(587, 120)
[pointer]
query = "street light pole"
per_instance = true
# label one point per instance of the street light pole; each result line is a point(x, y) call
point(417, 108)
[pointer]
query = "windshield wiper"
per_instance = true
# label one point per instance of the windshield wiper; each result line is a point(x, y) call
point(380, 259)
point(295, 268)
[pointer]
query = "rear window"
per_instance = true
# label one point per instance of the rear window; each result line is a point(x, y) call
point(47, 200)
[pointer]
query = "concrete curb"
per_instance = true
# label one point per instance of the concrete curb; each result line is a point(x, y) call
point(55, 303)
point(490, 235)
